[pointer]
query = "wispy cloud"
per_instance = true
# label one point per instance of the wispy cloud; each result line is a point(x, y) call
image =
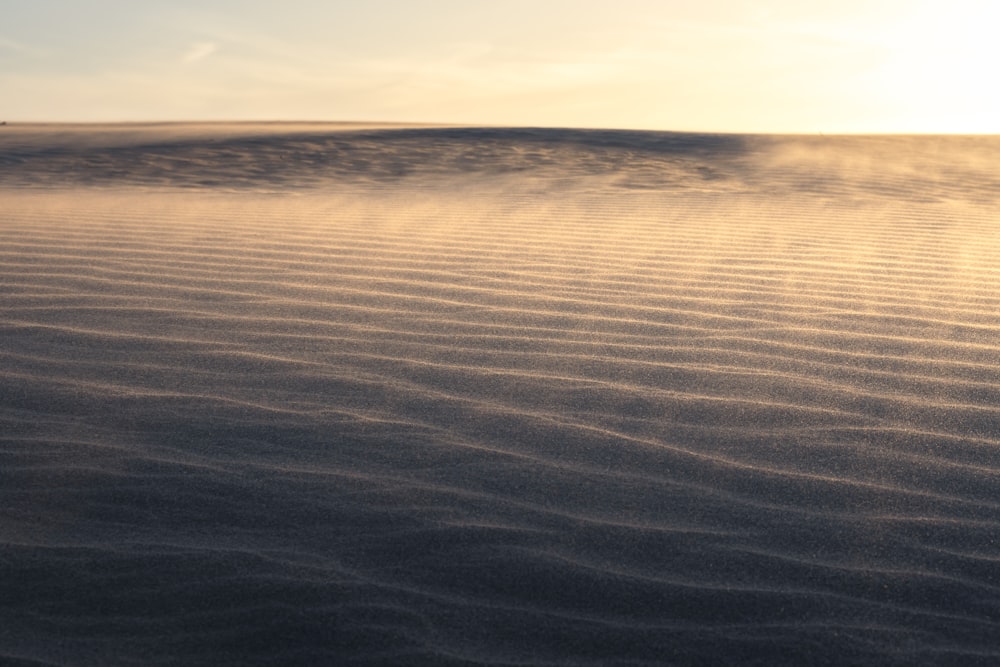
point(19, 48)
point(200, 51)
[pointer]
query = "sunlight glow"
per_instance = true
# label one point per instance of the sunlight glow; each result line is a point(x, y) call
point(719, 65)
point(938, 69)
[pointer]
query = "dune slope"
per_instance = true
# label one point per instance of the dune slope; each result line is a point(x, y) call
point(318, 395)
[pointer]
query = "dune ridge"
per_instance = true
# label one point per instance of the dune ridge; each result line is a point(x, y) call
point(418, 395)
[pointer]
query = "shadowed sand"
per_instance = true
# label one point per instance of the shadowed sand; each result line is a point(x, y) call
point(307, 394)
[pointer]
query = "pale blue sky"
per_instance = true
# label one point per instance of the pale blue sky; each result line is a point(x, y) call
point(716, 65)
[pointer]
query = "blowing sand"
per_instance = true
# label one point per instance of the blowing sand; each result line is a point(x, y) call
point(303, 394)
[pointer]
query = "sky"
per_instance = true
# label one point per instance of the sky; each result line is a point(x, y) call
point(797, 66)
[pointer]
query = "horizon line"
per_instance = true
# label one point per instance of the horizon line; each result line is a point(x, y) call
point(393, 124)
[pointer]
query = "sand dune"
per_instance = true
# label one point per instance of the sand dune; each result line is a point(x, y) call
point(305, 394)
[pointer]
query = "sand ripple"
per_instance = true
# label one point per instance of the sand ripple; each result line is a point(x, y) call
point(451, 396)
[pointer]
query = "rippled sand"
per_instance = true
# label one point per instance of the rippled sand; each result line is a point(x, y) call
point(304, 394)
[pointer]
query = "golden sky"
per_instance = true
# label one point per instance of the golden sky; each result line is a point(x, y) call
point(713, 65)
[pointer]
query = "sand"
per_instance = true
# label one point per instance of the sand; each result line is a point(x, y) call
point(317, 394)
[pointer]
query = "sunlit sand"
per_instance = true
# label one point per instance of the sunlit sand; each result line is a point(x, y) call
point(322, 394)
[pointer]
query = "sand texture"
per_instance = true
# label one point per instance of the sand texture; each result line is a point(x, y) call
point(306, 394)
